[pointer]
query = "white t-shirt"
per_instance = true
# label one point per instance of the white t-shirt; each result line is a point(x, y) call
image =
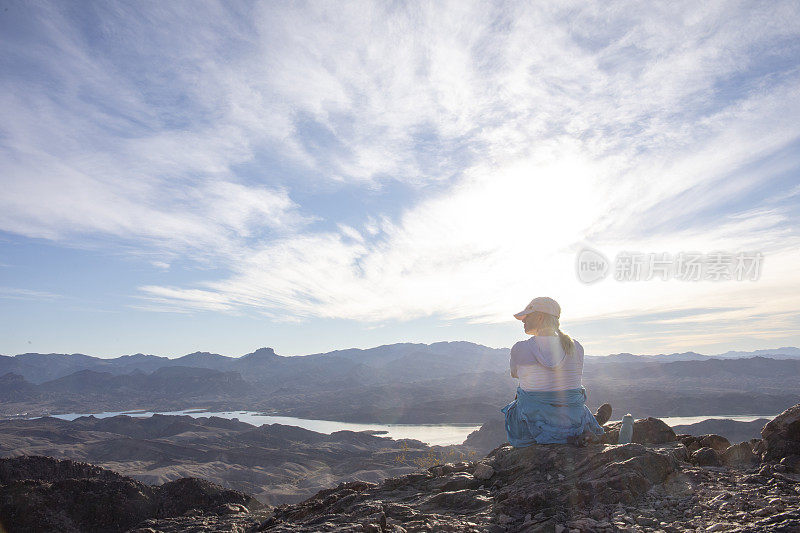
point(541, 364)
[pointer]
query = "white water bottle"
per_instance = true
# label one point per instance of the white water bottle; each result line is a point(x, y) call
point(626, 431)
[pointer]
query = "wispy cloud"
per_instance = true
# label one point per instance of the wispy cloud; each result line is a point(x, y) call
point(526, 131)
point(14, 293)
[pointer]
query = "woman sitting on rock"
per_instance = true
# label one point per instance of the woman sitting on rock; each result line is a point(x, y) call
point(550, 404)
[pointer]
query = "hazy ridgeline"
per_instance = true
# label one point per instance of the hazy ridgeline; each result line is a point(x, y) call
point(407, 383)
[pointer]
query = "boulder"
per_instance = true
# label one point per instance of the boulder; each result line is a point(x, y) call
point(717, 442)
point(781, 435)
point(488, 437)
point(695, 442)
point(706, 457)
point(680, 453)
point(483, 471)
point(177, 497)
point(645, 431)
point(739, 455)
point(692, 443)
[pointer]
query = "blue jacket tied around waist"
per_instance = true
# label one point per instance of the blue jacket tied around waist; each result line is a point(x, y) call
point(548, 417)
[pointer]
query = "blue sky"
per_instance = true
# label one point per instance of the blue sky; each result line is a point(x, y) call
point(190, 176)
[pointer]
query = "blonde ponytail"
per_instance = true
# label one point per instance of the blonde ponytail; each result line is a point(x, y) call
point(566, 342)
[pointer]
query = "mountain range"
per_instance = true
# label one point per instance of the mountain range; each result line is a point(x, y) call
point(402, 361)
point(788, 352)
point(398, 383)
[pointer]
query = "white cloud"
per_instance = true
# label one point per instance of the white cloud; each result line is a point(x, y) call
point(509, 229)
point(544, 127)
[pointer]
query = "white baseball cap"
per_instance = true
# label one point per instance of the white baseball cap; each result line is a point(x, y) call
point(542, 304)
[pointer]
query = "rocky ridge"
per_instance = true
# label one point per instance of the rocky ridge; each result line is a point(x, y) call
point(46, 494)
point(661, 482)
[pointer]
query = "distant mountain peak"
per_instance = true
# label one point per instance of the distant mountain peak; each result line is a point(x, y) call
point(261, 353)
point(777, 353)
point(139, 357)
point(200, 356)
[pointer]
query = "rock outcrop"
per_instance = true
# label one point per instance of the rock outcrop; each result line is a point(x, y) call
point(664, 483)
point(739, 455)
point(645, 431)
point(489, 436)
point(512, 487)
point(45, 494)
point(693, 443)
point(781, 435)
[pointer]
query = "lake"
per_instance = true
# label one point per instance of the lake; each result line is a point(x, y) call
point(684, 420)
point(431, 434)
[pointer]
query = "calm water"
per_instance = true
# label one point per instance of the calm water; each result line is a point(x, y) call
point(683, 420)
point(432, 434)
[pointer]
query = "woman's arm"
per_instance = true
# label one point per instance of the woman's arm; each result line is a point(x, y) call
point(513, 363)
point(578, 350)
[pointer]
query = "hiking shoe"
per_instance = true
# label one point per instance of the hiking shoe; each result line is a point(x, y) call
point(603, 414)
